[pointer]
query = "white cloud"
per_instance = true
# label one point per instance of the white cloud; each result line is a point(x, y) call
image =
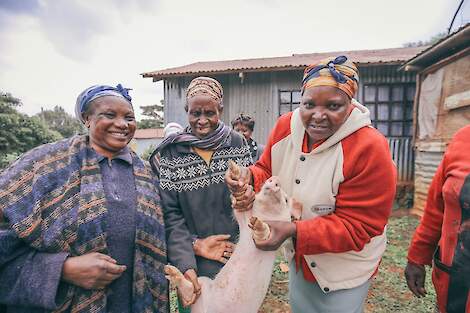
point(52, 52)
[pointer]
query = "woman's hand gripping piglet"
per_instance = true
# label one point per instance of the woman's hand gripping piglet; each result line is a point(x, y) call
point(238, 180)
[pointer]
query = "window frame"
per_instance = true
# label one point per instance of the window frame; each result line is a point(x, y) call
point(291, 103)
point(405, 103)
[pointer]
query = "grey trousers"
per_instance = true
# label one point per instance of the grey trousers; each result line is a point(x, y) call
point(307, 297)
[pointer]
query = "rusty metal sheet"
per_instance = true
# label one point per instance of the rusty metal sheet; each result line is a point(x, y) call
point(427, 159)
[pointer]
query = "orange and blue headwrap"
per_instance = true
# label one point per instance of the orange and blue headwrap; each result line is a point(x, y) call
point(337, 72)
point(94, 92)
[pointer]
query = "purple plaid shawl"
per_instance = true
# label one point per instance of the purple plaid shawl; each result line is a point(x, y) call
point(53, 199)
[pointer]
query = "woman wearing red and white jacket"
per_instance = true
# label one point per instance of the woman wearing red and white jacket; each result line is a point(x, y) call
point(330, 159)
point(443, 235)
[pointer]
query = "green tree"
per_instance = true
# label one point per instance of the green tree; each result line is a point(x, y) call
point(59, 120)
point(149, 123)
point(155, 116)
point(428, 42)
point(148, 152)
point(19, 132)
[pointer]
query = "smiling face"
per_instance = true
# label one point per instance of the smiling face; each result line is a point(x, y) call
point(203, 115)
point(111, 123)
point(323, 110)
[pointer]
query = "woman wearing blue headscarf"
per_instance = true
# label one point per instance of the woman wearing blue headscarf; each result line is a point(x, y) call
point(81, 228)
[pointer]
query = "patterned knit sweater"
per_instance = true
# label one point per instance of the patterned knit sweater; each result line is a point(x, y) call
point(196, 200)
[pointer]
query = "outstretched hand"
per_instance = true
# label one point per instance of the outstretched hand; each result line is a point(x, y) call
point(215, 247)
point(415, 275)
point(280, 231)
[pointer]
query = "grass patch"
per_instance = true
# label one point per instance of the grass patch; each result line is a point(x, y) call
point(389, 292)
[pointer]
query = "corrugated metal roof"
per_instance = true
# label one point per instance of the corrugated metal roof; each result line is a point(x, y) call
point(148, 133)
point(296, 61)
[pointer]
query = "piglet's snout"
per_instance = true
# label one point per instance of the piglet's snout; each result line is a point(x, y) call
point(273, 184)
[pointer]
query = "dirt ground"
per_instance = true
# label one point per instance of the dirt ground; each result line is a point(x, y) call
point(388, 292)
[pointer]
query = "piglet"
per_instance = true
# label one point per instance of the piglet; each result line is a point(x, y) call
point(243, 282)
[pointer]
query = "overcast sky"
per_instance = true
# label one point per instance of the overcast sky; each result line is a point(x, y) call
point(50, 50)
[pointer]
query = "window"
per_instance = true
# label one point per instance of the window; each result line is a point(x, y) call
point(289, 100)
point(391, 108)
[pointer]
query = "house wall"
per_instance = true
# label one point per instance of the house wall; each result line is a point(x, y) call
point(257, 94)
point(446, 112)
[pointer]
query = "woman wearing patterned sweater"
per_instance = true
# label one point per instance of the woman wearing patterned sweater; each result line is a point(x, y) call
point(200, 227)
point(81, 224)
point(339, 168)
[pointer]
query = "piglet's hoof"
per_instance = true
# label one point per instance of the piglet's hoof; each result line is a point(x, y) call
point(234, 169)
point(260, 229)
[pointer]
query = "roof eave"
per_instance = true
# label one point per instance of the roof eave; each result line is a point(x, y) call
point(445, 47)
point(158, 77)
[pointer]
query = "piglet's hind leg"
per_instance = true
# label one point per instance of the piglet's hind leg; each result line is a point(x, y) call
point(184, 286)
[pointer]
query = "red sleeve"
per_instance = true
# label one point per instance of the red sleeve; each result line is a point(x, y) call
point(364, 200)
point(262, 169)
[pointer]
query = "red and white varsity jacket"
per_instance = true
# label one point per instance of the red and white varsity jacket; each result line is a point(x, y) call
point(346, 185)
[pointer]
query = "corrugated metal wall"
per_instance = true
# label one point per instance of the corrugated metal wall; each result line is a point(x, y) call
point(256, 95)
point(174, 99)
point(386, 74)
point(428, 156)
point(403, 156)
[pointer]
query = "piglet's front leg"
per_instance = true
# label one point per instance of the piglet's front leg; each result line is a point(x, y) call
point(260, 229)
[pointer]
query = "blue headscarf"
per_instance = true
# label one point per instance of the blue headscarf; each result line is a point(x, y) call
point(94, 92)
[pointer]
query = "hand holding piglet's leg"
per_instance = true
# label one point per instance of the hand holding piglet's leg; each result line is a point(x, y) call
point(279, 232)
point(238, 180)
